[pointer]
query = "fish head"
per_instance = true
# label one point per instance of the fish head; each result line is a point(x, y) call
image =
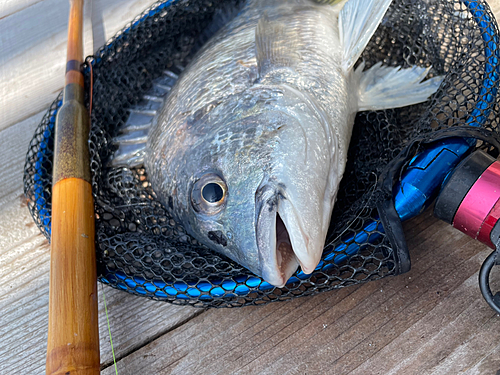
point(259, 182)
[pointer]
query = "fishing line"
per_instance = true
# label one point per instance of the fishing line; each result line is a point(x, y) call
point(132, 205)
point(102, 285)
point(91, 6)
point(109, 328)
point(91, 91)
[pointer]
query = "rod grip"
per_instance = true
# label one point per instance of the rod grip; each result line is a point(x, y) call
point(73, 336)
point(71, 148)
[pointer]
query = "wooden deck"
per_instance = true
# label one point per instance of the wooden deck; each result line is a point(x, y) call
point(431, 320)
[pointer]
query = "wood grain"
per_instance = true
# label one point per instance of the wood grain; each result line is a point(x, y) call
point(33, 37)
point(24, 287)
point(15, 140)
point(9, 7)
point(24, 252)
point(73, 333)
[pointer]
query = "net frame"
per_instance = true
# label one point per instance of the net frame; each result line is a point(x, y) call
point(141, 249)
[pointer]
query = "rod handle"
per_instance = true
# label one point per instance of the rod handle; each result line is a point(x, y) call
point(73, 337)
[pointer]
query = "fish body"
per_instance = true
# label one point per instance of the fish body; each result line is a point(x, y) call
point(250, 145)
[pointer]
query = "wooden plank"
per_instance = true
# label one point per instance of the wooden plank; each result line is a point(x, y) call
point(369, 313)
point(17, 138)
point(107, 18)
point(381, 350)
point(404, 308)
point(135, 321)
point(472, 314)
point(420, 228)
point(111, 16)
point(335, 319)
point(340, 338)
point(389, 326)
point(477, 348)
point(495, 7)
point(9, 7)
point(24, 273)
point(428, 342)
point(33, 58)
point(489, 365)
point(24, 252)
point(216, 330)
point(33, 41)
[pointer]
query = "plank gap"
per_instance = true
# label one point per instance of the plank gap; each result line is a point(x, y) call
point(154, 337)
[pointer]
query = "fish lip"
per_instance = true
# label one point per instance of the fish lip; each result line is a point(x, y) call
point(267, 220)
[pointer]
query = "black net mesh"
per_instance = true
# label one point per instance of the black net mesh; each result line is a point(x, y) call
point(140, 248)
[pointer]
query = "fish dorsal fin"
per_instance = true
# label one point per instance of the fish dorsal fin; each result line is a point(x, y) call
point(274, 46)
point(358, 21)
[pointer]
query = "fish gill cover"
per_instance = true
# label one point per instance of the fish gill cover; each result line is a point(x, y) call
point(142, 250)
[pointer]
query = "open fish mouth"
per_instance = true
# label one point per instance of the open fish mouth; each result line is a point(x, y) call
point(286, 260)
point(282, 243)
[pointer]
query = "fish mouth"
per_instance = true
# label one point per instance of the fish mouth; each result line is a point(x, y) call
point(286, 260)
point(282, 244)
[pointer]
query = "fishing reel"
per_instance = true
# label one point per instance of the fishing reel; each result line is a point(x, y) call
point(470, 201)
point(467, 185)
point(469, 198)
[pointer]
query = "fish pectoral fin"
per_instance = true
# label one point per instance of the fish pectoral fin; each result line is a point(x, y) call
point(130, 142)
point(128, 155)
point(383, 87)
point(358, 21)
point(274, 45)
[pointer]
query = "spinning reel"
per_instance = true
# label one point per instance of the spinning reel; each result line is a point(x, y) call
point(470, 201)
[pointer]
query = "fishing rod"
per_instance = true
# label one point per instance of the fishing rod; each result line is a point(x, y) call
point(73, 333)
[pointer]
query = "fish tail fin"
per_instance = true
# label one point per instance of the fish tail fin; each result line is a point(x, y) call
point(382, 87)
point(131, 141)
point(358, 21)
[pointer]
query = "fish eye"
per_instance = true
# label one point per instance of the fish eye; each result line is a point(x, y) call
point(212, 192)
point(208, 194)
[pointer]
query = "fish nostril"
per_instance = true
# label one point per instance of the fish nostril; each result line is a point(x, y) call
point(217, 237)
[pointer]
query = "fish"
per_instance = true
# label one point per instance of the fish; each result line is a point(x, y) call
point(249, 145)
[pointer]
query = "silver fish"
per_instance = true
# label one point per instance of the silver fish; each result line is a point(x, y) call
point(249, 147)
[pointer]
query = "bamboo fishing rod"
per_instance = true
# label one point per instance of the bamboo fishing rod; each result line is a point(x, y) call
point(73, 337)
